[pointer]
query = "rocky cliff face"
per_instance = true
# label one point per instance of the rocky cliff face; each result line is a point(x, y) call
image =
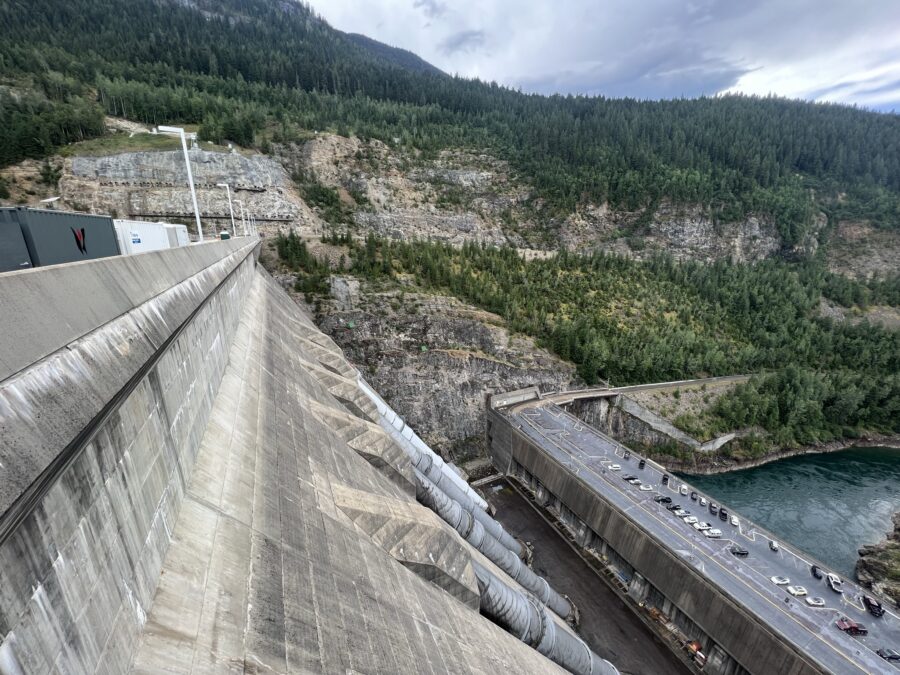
point(435, 359)
point(878, 566)
point(153, 186)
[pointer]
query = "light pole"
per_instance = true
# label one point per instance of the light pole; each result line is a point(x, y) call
point(230, 210)
point(243, 221)
point(178, 131)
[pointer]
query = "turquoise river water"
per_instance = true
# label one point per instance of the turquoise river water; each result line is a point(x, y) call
point(828, 505)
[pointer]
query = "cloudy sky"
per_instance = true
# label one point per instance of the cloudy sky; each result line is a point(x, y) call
point(834, 50)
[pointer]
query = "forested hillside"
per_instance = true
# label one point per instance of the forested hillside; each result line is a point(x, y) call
point(256, 71)
point(631, 322)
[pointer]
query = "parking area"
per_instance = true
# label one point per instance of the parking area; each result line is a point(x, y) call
point(604, 464)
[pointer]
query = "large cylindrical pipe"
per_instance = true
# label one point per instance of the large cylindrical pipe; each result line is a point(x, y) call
point(473, 532)
point(391, 419)
point(423, 464)
point(527, 619)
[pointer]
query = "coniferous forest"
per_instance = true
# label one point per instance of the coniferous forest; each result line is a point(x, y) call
point(254, 71)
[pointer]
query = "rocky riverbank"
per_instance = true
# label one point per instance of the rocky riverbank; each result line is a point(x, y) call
point(700, 465)
point(878, 566)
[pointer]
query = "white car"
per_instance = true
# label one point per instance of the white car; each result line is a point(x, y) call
point(683, 490)
point(834, 582)
point(815, 602)
point(796, 591)
point(681, 513)
point(781, 581)
point(712, 533)
point(690, 520)
point(646, 488)
point(614, 467)
point(734, 521)
point(703, 501)
point(702, 526)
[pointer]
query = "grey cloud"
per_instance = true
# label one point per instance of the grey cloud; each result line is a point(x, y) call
point(463, 41)
point(432, 8)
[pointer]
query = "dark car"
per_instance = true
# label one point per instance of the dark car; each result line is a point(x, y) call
point(713, 508)
point(626, 455)
point(723, 514)
point(738, 551)
point(665, 479)
point(874, 607)
point(660, 499)
point(672, 507)
point(642, 464)
point(630, 476)
point(693, 496)
point(889, 654)
point(816, 572)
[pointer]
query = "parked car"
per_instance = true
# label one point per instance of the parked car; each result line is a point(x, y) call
point(673, 507)
point(681, 513)
point(690, 520)
point(738, 551)
point(628, 476)
point(834, 582)
point(702, 526)
point(780, 581)
point(713, 508)
point(851, 627)
point(683, 490)
point(662, 499)
point(693, 496)
point(816, 572)
point(642, 463)
point(889, 654)
point(796, 591)
point(627, 455)
point(735, 521)
point(635, 481)
point(646, 488)
point(665, 479)
point(874, 607)
point(712, 533)
point(815, 602)
point(703, 501)
point(773, 545)
point(614, 467)
point(723, 515)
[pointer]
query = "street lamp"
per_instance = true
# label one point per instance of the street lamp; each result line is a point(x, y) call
point(178, 131)
point(230, 210)
point(243, 221)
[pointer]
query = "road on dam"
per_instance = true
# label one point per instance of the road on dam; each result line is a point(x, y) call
point(594, 457)
point(607, 624)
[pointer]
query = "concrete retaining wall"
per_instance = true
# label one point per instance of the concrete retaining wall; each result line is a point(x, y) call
point(78, 574)
point(747, 640)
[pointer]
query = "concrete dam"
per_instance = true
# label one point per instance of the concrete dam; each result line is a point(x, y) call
point(193, 479)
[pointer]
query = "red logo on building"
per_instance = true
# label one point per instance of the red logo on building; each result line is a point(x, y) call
point(79, 239)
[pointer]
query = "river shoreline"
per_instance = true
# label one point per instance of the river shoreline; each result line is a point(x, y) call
point(877, 565)
point(718, 466)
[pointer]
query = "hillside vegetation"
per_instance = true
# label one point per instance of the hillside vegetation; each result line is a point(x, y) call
point(254, 71)
point(631, 322)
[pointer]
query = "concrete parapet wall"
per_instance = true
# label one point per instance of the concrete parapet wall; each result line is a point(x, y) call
point(79, 572)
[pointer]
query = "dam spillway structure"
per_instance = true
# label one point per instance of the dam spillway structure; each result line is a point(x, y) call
point(194, 479)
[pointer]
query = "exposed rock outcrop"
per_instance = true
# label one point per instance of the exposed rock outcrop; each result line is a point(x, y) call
point(434, 359)
point(878, 566)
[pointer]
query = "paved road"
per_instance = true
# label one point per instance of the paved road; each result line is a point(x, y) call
point(598, 392)
point(590, 454)
point(609, 626)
